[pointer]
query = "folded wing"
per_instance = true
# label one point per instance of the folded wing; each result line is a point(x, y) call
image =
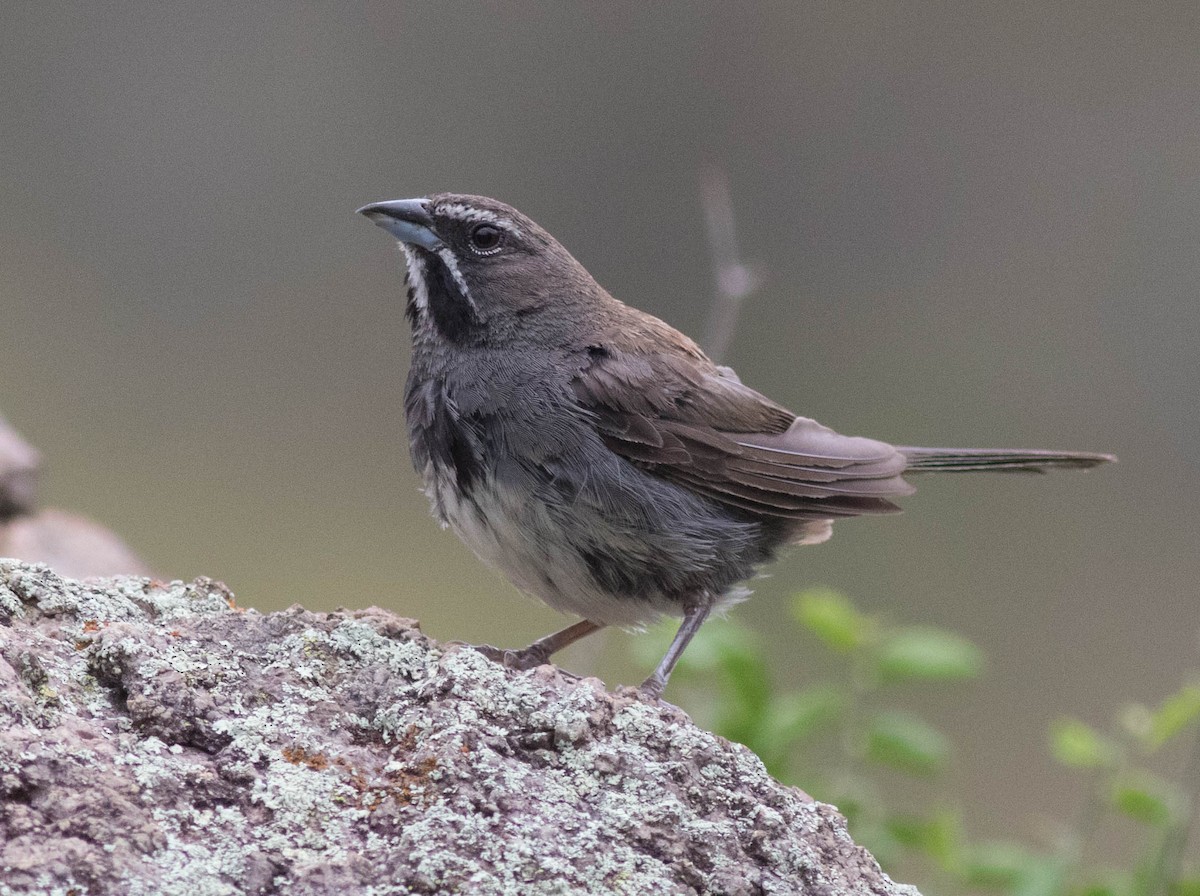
point(697, 425)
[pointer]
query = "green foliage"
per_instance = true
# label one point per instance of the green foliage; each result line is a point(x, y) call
point(831, 617)
point(800, 716)
point(1176, 714)
point(998, 865)
point(931, 654)
point(905, 742)
point(1189, 887)
point(847, 741)
point(1145, 798)
point(1077, 745)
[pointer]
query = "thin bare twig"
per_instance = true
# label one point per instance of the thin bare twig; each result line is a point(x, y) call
point(735, 281)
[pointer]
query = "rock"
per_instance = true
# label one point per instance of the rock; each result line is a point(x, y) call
point(157, 739)
point(69, 543)
point(19, 463)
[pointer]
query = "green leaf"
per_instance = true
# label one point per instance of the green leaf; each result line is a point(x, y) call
point(1077, 745)
point(1101, 888)
point(799, 716)
point(1043, 877)
point(928, 653)
point(875, 836)
point(1175, 714)
point(830, 616)
point(905, 742)
point(1146, 798)
point(791, 720)
point(939, 836)
point(1188, 887)
point(998, 864)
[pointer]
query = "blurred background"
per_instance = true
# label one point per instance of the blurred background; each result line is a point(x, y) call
point(977, 226)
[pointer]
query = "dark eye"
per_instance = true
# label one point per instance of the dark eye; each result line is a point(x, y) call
point(486, 239)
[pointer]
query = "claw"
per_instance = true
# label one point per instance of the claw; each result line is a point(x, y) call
point(520, 660)
point(652, 688)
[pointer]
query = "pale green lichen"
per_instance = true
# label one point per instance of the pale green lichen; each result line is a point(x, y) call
point(207, 751)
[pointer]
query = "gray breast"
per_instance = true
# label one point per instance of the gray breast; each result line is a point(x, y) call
point(522, 477)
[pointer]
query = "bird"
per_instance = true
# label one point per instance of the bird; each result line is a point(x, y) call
point(595, 455)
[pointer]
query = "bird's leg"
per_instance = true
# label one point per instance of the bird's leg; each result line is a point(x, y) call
point(693, 618)
point(539, 652)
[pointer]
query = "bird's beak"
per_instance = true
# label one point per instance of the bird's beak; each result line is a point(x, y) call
point(408, 220)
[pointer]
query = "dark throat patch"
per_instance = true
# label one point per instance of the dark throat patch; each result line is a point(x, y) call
point(451, 312)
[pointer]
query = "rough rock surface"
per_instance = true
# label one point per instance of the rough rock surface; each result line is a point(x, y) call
point(156, 739)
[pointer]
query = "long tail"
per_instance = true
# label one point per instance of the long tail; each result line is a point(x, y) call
point(970, 460)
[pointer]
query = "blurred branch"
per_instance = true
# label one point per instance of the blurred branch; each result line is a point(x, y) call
point(735, 281)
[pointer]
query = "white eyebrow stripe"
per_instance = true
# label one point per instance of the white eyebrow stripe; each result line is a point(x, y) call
point(451, 264)
point(481, 215)
point(416, 278)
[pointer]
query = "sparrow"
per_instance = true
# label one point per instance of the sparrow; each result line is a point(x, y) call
point(594, 454)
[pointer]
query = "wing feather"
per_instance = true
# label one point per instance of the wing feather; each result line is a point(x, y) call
point(684, 419)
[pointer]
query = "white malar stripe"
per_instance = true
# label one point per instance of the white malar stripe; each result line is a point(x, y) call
point(448, 259)
point(416, 278)
point(480, 215)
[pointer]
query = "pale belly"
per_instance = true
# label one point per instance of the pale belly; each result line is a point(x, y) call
point(519, 537)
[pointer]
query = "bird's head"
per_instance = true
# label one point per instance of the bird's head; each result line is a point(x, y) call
point(480, 272)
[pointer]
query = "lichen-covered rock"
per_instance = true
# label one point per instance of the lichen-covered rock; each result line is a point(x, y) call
point(156, 739)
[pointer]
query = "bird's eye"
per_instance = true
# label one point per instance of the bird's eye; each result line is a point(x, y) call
point(486, 238)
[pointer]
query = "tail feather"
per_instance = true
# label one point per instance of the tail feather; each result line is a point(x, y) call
point(968, 460)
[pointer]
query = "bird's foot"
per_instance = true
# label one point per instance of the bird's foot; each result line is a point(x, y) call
point(520, 660)
point(652, 688)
